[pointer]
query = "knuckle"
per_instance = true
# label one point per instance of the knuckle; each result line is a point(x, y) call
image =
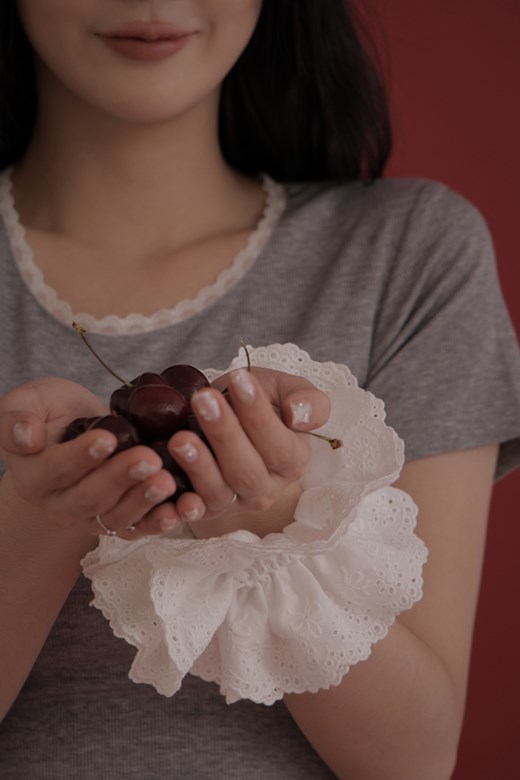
point(281, 457)
point(247, 481)
point(84, 503)
point(261, 503)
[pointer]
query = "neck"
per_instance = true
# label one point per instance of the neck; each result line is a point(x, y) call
point(89, 174)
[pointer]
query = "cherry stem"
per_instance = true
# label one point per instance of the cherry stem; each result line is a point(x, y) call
point(82, 332)
point(335, 444)
point(244, 345)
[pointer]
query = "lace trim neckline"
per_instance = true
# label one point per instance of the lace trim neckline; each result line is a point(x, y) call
point(136, 323)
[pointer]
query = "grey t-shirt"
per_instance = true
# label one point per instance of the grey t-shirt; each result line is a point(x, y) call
point(397, 281)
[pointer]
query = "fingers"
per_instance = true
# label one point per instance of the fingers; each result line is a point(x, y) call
point(121, 487)
point(301, 404)
point(141, 511)
point(283, 452)
point(253, 454)
point(211, 480)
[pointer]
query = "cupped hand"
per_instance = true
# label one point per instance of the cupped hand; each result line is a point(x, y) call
point(258, 450)
point(73, 482)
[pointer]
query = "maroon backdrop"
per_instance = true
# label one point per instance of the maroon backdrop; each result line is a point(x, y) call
point(454, 69)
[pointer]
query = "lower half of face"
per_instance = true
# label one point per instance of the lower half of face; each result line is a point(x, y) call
point(140, 61)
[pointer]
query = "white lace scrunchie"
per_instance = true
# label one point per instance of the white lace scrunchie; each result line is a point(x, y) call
point(292, 611)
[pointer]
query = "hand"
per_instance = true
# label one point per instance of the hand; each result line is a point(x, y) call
point(259, 450)
point(73, 482)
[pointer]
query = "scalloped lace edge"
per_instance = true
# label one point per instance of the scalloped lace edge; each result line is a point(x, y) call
point(136, 323)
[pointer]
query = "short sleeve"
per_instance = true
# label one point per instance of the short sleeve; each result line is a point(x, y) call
point(445, 358)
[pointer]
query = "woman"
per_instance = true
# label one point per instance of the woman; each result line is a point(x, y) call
point(143, 160)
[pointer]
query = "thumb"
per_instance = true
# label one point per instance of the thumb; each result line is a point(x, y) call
point(21, 433)
point(303, 406)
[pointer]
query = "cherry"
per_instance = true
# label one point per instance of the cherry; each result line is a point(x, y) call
point(157, 411)
point(122, 428)
point(74, 428)
point(186, 379)
point(121, 396)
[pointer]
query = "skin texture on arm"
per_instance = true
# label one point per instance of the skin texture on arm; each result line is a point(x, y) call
point(39, 564)
point(399, 714)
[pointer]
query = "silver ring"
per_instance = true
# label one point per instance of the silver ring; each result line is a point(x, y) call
point(235, 496)
point(224, 508)
point(108, 531)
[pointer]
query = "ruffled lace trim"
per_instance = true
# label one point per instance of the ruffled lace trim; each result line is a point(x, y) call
point(137, 323)
point(292, 611)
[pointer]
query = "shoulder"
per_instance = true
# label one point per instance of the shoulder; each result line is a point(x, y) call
point(393, 224)
point(421, 207)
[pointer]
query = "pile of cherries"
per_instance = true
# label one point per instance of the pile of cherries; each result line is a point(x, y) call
point(149, 410)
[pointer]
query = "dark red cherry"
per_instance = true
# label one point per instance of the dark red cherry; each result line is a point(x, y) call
point(184, 378)
point(124, 431)
point(181, 478)
point(120, 397)
point(77, 426)
point(119, 400)
point(157, 411)
point(148, 378)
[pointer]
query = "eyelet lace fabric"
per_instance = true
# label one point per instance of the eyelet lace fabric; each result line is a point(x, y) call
point(293, 611)
point(136, 323)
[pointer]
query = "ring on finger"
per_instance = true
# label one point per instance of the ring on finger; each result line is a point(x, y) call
point(108, 531)
point(226, 507)
point(235, 496)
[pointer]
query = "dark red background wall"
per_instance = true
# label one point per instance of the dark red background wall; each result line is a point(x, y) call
point(454, 76)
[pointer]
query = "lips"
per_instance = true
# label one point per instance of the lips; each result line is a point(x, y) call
point(146, 41)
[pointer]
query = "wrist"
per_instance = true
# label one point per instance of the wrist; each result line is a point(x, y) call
point(23, 524)
point(272, 520)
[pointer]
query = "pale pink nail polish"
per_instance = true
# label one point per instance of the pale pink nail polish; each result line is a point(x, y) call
point(140, 471)
point(154, 494)
point(241, 380)
point(169, 523)
point(101, 448)
point(23, 434)
point(301, 412)
point(187, 452)
point(193, 515)
point(206, 405)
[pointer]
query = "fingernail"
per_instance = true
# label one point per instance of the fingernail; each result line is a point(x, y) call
point(192, 515)
point(23, 434)
point(154, 494)
point(301, 412)
point(206, 405)
point(168, 523)
point(143, 469)
point(101, 448)
point(241, 380)
point(187, 452)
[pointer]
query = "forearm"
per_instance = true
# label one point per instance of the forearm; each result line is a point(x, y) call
point(39, 565)
point(393, 716)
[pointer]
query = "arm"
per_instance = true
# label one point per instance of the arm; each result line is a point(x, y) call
point(399, 714)
point(39, 564)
